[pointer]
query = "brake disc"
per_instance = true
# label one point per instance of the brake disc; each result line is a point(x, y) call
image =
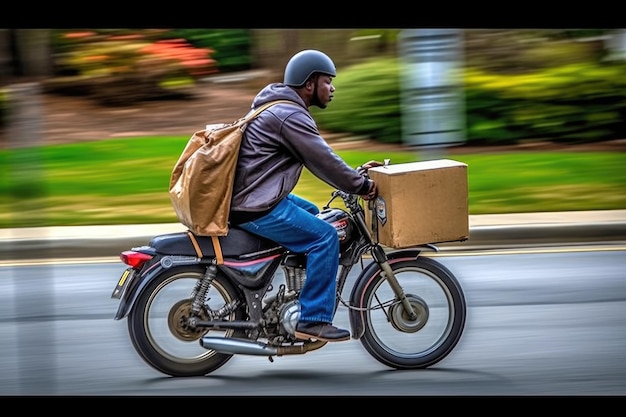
point(178, 321)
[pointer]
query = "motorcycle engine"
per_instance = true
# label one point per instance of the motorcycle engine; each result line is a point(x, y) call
point(289, 316)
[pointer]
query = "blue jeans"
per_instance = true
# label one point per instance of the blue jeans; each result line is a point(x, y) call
point(292, 223)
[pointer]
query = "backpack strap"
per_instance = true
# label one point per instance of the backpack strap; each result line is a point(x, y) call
point(218, 250)
point(216, 245)
point(195, 244)
point(258, 110)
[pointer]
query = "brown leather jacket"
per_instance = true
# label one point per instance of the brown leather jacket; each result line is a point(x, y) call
point(276, 146)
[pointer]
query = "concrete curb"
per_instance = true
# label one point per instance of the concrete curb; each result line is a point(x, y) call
point(486, 232)
point(546, 234)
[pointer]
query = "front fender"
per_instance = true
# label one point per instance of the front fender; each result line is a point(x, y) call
point(371, 271)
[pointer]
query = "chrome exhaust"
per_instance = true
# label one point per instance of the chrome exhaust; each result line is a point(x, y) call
point(237, 346)
point(250, 347)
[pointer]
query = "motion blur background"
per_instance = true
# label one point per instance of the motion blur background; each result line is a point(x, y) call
point(539, 323)
point(495, 86)
point(424, 89)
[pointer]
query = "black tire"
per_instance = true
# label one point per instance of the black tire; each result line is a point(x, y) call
point(153, 324)
point(391, 336)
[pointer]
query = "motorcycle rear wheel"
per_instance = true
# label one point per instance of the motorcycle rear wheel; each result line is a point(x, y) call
point(399, 341)
point(156, 323)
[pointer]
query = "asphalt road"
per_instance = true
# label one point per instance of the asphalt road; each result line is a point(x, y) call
point(540, 322)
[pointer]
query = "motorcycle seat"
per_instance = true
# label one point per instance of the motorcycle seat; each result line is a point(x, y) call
point(238, 244)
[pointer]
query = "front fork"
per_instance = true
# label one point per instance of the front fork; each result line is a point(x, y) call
point(382, 265)
point(381, 259)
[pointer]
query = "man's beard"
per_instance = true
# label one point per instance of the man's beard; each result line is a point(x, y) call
point(316, 101)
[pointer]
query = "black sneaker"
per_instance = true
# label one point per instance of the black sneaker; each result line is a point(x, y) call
point(321, 331)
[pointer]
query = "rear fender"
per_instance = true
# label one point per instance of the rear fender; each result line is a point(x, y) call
point(145, 277)
point(363, 280)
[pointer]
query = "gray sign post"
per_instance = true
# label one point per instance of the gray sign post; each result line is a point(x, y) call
point(433, 110)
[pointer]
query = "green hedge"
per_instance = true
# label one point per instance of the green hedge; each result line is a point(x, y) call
point(366, 102)
point(572, 103)
point(569, 103)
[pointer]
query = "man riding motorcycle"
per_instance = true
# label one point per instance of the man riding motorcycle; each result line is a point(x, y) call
point(276, 146)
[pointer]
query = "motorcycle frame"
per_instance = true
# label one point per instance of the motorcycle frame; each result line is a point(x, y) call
point(253, 293)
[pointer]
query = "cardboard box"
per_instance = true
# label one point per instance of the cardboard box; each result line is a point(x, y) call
point(421, 202)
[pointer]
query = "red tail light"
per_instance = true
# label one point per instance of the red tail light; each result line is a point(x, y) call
point(134, 259)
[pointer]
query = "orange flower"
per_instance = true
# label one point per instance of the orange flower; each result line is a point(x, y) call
point(78, 35)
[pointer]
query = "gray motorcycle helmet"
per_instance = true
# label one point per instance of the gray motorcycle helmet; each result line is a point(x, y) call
point(304, 64)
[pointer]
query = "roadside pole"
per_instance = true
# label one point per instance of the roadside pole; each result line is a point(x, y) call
point(433, 110)
point(33, 300)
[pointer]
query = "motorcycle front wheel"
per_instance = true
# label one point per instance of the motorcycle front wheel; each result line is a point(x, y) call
point(399, 340)
point(157, 323)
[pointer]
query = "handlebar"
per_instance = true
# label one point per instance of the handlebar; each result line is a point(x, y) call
point(351, 200)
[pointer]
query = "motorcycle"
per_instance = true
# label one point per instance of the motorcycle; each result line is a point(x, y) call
point(189, 314)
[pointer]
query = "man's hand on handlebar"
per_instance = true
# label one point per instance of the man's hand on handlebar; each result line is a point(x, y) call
point(362, 170)
point(370, 164)
point(372, 193)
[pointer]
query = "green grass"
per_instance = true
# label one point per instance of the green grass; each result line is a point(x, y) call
point(124, 181)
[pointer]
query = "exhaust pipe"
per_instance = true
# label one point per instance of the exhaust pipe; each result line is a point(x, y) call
point(249, 347)
point(237, 346)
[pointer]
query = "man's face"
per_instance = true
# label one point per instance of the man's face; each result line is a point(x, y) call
point(325, 90)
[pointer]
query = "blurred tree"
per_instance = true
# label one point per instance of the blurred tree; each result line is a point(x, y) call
point(5, 54)
point(25, 52)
